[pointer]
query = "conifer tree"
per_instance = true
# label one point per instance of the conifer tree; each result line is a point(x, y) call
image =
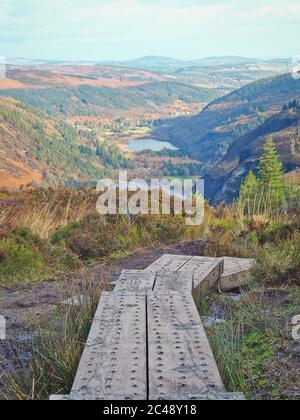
point(271, 171)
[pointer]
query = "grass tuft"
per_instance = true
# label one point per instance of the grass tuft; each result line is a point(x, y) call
point(55, 354)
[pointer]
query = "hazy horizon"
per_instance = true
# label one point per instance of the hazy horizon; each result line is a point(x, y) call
point(133, 58)
point(119, 30)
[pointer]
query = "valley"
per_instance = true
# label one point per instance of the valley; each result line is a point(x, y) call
point(149, 202)
point(152, 116)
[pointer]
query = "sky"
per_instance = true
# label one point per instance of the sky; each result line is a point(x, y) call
point(125, 29)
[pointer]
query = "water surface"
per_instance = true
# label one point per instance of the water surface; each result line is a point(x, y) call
point(141, 145)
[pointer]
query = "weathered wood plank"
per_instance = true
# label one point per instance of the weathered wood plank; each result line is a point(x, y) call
point(237, 273)
point(209, 396)
point(207, 272)
point(132, 281)
point(113, 365)
point(168, 263)
point(181, 363)
point(167, 282)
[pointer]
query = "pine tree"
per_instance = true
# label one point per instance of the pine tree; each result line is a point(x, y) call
point(271, 171)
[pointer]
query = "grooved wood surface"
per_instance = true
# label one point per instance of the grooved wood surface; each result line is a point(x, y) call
point(135, 281)
point(205, 271)
point(167, 282)
point(169, 263)
point(181, 363)
point(114, 362)
point(147, 340)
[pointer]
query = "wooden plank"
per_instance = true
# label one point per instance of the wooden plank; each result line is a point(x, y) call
point(210, 396)
point(237, 273)
point(134, 281)
point(169, 263)
point(181, 363)
point(207, 272)
point(114, 364)
point(174, 282)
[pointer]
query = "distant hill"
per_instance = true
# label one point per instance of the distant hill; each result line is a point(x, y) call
point(152, 61)
point(293, 177)
point(170, 64)
point(228, 60)
point(244, 154)
point(38, 150)
point(208, 135)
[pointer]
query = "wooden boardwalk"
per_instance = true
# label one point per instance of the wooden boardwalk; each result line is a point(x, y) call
point(114, 362)
point(147, 341)
point(181, 364)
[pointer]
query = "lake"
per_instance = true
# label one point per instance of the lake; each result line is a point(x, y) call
point(136, 146)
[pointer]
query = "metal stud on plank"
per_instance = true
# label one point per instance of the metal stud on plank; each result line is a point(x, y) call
point(168, 263)
point(113, 365)
point(184, 364)
point(167, 282)
point(135, 281)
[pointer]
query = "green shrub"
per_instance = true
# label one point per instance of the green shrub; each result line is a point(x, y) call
point(20, 263)
point(277, 231)
point(61, 260)
point(62, 234)
point(279, 265)
point(95, 237)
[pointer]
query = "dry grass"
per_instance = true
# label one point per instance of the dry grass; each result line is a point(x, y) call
point(55, 355)
point(46, 211)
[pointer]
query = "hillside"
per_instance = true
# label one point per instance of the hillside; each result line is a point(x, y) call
point(293, 177)
point(243, 155)
point(208, 135)
point(94, 91)
point(223, 73)
point(36, 149)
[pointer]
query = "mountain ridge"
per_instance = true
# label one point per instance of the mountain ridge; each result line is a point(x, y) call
point(244, 154)
point(208, 135)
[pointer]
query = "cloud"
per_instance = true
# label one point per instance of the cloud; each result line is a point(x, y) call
point(123, 26)
point(73, 18)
